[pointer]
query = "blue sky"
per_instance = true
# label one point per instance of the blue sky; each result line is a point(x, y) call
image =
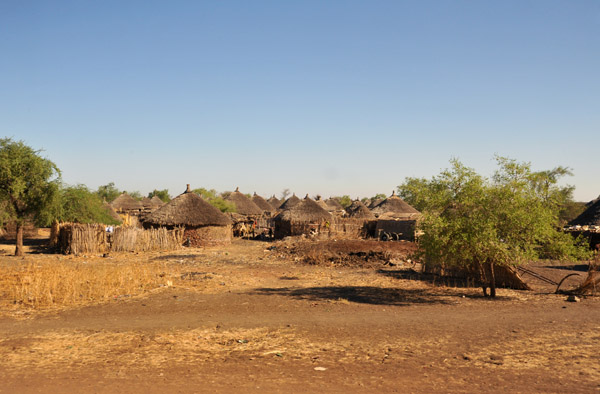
point(328, 97)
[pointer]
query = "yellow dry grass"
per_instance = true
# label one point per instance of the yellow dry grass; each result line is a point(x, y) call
point(45, 283)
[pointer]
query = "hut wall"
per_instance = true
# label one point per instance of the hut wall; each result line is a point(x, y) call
point(284, 228)
point(406, 228)
point(350, 228)
point(207, 236)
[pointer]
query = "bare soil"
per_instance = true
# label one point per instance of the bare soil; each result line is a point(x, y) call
point(302, 316)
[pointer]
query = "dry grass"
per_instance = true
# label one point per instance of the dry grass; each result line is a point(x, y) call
point(41, 284)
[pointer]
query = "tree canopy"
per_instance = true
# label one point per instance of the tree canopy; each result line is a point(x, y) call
point(478, 223)
point(78, 204)
point(216, 200)
point(29, 184)
point(162, 194)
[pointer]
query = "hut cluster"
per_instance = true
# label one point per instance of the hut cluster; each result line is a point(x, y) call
point(191, 220)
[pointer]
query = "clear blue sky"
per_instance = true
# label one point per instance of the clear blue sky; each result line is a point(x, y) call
point(328, 97)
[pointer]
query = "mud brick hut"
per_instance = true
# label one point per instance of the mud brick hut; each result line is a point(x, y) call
point(396, 219)
point(204, 225)
point(355, 224)
point(289, 203)
point(274, 201)
point(588, 223)
point(306, 217)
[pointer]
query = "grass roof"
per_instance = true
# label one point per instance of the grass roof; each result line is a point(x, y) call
point(243, 204)
point(188, 209)
point(306, 210)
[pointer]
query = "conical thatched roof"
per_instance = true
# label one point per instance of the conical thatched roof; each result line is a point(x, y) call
point(290, 202)
point(324, 205)
point(188, 209)
point(395, 207)
point(358, 210)
point(589, 217)
point(274, 201)
point(306, 210)
point(375, 202)
point(335, 204)
point(243, 205)
point(262, 203)
point(126, 203)
point(152, 203)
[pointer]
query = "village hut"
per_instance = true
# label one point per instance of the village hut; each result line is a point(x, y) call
point(396, 208)
point(263, 204)
point(290, 202)
point(358, 210)
point(334, 204)
point(396, 220)
point(306, 217)
point(244, 206)
point(204, 225)
point(374, 202)
point(151, 204)
point(127, 205)
point(274, 201)
point(324, 205)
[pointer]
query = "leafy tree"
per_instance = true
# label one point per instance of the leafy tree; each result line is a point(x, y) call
point(345, 201)
point(78, 204)
point(477, 223)
point(162, 194)
point(136, 195)
point(215, 199)
point(108, 192)
point(284, 194)
point(28, 183)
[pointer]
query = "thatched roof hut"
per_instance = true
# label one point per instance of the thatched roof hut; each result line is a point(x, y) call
point(374, 202)
point(589, 217)
point(244, 206)
point(150, 204)
point(274, 201)
point(306, 217)
point(204, 224)
point(394, 207)
point(358, 210)
point(263, 204)
point(324, 205)
point(334, 204)
point(127, 204)
point(290, 202)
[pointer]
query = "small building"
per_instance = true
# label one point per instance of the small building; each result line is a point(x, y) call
point(305, 217)
point(125, 204)
point(204, 225)
point(274, 201)
point(289, 203)
point(263, 204)
point(587, 224)
point(396, 219)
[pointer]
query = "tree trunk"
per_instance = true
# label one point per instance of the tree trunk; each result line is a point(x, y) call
point(19, 247)
point(492, 280)
point(482, 279)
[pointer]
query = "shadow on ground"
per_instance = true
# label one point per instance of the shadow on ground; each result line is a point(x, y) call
point(359, 294)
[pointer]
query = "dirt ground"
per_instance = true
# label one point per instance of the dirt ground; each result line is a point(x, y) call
point(276, 317)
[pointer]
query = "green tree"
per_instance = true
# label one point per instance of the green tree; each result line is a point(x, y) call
point(345, 201)
point(28, 183)
point(478, 223)
point(78, 204)
point(216, 200)
point(136, 195)
point(108, 192)
point(162, 194)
